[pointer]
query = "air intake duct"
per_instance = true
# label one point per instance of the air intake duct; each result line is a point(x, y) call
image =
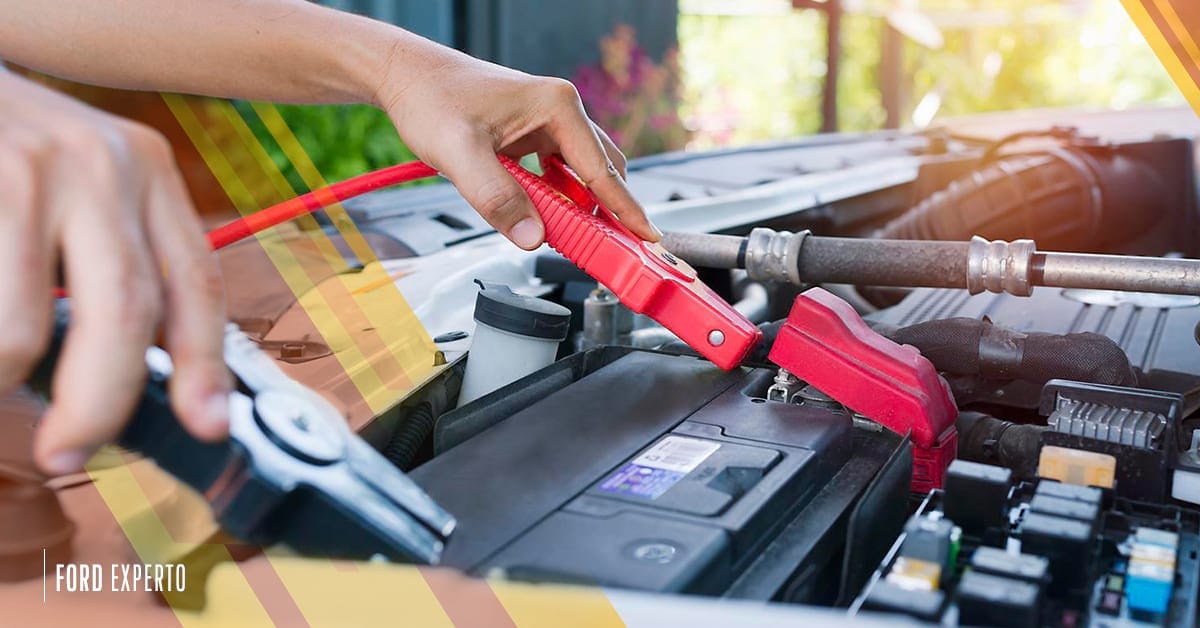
point(1070, 198)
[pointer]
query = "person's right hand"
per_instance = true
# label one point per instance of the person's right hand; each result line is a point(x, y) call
point(456, 112)
point(101, 196)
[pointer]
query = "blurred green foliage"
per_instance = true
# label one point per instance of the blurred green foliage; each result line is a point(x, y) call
point(1093, 56)
point(757, 74)
point(341, 140)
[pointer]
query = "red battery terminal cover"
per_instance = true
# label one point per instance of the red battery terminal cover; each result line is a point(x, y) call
point(643, 275)
point(826, 344)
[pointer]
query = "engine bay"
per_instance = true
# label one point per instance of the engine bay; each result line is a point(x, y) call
point(604, 450)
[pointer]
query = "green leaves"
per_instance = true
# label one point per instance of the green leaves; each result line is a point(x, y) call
point(341, 140)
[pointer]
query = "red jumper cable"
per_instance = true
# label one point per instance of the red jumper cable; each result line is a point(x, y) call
point(247, 226)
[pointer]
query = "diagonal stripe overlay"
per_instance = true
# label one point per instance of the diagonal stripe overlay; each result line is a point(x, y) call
point(375, 335)
point(467, 601)
point(1167, 25)
point(550, 606)
point(152, 540)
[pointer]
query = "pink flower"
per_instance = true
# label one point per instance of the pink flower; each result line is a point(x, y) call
point(632, 97)
point(663, 121)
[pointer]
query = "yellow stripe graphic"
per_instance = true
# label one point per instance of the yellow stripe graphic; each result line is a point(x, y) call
point(375, 335)
point(1176, 64)
point(1181, 32)
point(155, 542)
point(277, 126)
point(532, 606)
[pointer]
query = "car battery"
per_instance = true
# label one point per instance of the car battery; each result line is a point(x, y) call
point(653, 472)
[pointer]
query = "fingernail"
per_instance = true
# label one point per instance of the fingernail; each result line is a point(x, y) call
point(658, 234)
point(65, 462)
point(527, 234)
point(216, 411)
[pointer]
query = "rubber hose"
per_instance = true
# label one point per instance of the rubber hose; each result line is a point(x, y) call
point(969, 346)
point(987, 439)
point(411, 434)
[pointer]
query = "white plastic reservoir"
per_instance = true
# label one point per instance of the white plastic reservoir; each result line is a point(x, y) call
point(515, 335)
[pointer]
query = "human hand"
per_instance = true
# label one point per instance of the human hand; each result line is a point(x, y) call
point(456, 112)
point(102, 196)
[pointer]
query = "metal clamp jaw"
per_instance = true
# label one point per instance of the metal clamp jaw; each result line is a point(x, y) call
point(305, 476)
point(826, 344)
point(292, 471)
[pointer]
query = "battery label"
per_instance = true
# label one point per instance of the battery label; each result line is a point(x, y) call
point(659, 468)
point(676, 453)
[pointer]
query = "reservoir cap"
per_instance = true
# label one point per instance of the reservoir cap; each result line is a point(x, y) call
point(498, 306)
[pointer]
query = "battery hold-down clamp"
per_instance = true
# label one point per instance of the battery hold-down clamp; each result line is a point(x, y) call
point(826, 344)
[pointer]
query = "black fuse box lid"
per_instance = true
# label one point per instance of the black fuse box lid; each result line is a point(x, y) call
point(991, 560)
point(976, 495)
point(887, 597)
point(1036, 526)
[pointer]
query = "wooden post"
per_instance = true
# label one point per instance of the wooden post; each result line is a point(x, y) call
point(891, 69)
point(833, 53)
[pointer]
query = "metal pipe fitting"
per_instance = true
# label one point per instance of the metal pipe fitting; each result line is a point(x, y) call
point(774, 256)
point(766, 254)
point(978, 265)
point(1000, 266)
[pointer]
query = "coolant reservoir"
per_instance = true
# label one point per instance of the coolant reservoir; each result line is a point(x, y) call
point(515, 335)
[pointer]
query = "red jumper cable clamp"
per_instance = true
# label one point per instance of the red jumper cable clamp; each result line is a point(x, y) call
point(643, 275)
point(826, 344)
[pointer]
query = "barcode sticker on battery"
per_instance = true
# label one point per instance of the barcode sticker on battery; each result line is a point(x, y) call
point(677, 453)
